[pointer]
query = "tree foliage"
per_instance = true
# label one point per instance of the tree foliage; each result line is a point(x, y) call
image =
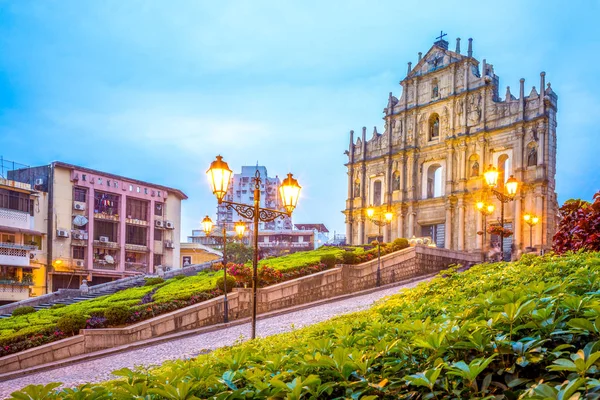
point(579, 227)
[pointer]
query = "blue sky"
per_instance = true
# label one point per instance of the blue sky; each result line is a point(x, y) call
point(154, 90)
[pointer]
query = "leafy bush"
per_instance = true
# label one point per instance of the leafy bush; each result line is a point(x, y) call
point(579, 226)
point(400, 244)
point(349, 257)
point(154, 281)
point(329, 260)
point(178, 277)
point(523, 330)
point(116, 315)
point(57, 306)
point(96, 322)
point(23, 311)
point(231, 283)
point(71, 323)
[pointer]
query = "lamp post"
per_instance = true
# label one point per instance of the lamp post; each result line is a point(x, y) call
point(240, 228)
point(379, 221)
point(531, 220)
point(485, 209)
point(506, 195)
point(219, 175)
point(207, 225)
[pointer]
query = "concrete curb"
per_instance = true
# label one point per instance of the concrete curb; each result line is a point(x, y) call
point(179, 335)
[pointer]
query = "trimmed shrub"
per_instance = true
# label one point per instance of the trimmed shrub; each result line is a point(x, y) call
point(116, 315)
point(349, 257)
point(57, 305)
point(71, 323)
point(329, 260)
point(23, 311)
point(154, 281)
point(231, 283)
point(178, 277)
point(399, 244)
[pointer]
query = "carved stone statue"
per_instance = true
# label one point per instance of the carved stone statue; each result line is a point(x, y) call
point(396, 181)
point(475, 169)
point(532, 157)
point(357, 189)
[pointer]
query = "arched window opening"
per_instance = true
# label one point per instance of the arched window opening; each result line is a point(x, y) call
point(377, 193)
point(474, 165)
point(434, 181)
point(532, 154)
point(396, 181)
point(434, 127)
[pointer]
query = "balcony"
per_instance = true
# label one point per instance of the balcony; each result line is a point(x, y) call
point(15, 219)
point(106, 245)
point(14, 291)
point(15, 255)
point(106, 217)
point(133, 221)
point(136, 247)
point(136, 267)
point(103, 265)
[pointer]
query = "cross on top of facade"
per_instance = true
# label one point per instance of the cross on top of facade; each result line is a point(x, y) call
point(442, 34)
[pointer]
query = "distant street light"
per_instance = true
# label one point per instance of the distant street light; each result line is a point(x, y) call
point(379, 221)
point(531, 220)
point(207, 226)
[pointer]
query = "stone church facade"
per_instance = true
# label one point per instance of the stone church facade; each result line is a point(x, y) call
point(427, 166)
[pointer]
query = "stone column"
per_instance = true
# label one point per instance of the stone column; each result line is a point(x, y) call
point(448, 228)
point(449, 171)
point(480, 228)
point(349, 230)
point(400, 226)
point(411, 224)
point(361, 231)
point(461, 226)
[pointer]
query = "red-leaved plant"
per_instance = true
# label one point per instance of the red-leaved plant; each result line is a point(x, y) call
point(579, 226)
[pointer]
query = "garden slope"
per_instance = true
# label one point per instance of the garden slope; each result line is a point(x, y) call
point(529, 328)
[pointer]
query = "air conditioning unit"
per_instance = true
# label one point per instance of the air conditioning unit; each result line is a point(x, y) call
point(62, 233)
point(79, 263)
point(79, 206)
point(39, 182)
point(104, 239)
point(169, 245)
point(78, 236)
point(169, 225)
point(159, 223)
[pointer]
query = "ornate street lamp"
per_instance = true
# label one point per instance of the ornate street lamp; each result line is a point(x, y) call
point(510, 190)
point(240, 228)
point(207, 226)
point(485, 209)
point(531, 220)
point(381, 220)
point(219, 175)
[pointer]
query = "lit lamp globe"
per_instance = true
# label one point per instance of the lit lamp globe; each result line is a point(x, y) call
point(511, 186)
point(480, 205)
point(535, 220)
point(240, 228)
point(289, 192)
point(388, 216)
point(491, 176)
point(370, 212)
point(219, 175)
point(527, 217)
point(207, 225)
point(490, 208)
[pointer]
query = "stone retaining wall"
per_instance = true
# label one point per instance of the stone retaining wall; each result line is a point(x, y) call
point(399, 266)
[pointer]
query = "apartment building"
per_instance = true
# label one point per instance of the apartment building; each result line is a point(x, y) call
point(103, 226)
point(22, 241)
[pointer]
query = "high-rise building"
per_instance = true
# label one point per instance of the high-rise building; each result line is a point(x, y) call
point(241, 190)
point(447, 126)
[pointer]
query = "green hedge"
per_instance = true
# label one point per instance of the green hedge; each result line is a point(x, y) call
point(523, 330)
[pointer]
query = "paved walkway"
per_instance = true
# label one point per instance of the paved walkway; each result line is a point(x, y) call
point(101, 369)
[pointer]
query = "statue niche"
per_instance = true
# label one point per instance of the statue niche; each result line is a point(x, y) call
point(532, 155)
point(357, 188)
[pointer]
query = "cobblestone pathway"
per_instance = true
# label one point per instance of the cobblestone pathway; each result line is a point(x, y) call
point(101, 369)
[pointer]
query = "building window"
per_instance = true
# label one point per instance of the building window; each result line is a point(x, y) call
point(158, 193)
point(83, 177)
point(16, 201)
point(131, 188)
point(135, 235)
point(158, 234)
point(7, 238)
point(108, 182)
point(116, 184)
point(434, 181)
point(106, 203)
point(33, 240)
point(79, 194)
point(99, 181)
point(377, 193)
point(158, 209)
point(79, 252)
point(157, 260)
point(434, 127)
point(137, 209)
point(107, 229)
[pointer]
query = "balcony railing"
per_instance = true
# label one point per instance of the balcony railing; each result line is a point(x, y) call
point(106, 217)
point(136, 267)
point(15, 219)
point(105, 266)
point(133, 221)
point(106, 245)
point(136, 247)
point(14, 291)
point(14, 256)
point(27, 247)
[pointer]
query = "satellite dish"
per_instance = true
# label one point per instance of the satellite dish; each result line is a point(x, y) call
point(109, 259)
point(80, 220)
